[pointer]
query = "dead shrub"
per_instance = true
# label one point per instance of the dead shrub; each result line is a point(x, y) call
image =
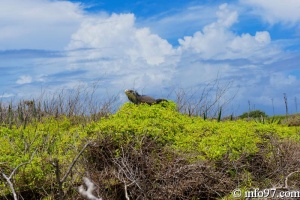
point(152, 172)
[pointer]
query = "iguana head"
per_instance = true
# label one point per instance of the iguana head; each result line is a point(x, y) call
point(136, 98)
point(132, 96)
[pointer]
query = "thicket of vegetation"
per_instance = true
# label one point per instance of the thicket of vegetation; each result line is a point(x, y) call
point(254, 114)
point(140, 152)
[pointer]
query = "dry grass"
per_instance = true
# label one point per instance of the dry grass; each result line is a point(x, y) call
point(79, 104)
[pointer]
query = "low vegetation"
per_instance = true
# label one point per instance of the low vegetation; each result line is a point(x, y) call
point(253, 114)
point(142, 152)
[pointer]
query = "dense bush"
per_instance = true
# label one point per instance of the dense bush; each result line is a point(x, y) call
point(153, 139)
point(41, 143)
point(254, 114)
point(149, 152)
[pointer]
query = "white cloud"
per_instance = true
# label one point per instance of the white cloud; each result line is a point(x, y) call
point(24, 79)
point(217, 41)
point(114, 49)
point(263, 37)
point(184, 21)
point(6, 95)
point(120, 52)
point(286, 11)
point(280, 80)
point(37, 24)
point(127, 56)
point(226, 17)
point(118, 37)
point(150, 47)
point(251, 47)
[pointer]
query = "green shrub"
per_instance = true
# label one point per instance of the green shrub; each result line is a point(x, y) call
point(151, 138)
point(254, 114)
point(52, 139)
point(205, 139)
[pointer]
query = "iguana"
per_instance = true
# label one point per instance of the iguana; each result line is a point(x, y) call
point(136, 98)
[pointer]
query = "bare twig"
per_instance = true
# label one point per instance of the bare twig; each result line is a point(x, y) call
point(126, 173)
point(8, 178)
point(74, 161)
point(287, 178)
point(57, 171)
point(207, 99)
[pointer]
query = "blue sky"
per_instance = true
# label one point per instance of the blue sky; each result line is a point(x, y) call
point(154, 47)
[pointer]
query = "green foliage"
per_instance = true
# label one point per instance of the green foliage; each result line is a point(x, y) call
point(290, 120)
point(204, 139)
point(194, 138)
point(253, 114)
point(268, 120)
point(160, 121)
point(54, 138)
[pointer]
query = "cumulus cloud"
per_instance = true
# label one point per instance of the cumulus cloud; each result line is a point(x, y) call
point(213, 35)
point(120, 52)
point(217, 41)
point(119, 37)
point(123, 54)
point(286, 11)
point(24, 79)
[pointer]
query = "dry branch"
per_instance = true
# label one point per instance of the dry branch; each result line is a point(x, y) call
point(57, 171)
point(8, 178)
